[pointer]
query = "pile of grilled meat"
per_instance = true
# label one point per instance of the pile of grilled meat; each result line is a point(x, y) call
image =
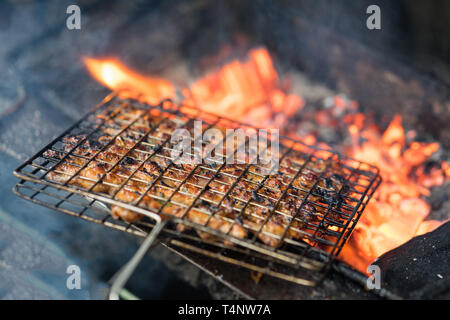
point(133, 164)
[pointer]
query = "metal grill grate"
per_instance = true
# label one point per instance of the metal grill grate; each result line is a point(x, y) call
point(301, 252)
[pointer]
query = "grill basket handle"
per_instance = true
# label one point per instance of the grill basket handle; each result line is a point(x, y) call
point(122, 276)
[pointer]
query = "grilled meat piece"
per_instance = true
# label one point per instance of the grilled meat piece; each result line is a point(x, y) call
point(129, 158)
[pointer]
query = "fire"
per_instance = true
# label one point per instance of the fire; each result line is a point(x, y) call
point(248, 91)
point(397, 211)
point(251, 92)
point(114, 75)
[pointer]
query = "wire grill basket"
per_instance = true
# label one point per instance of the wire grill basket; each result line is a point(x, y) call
point(301, 251)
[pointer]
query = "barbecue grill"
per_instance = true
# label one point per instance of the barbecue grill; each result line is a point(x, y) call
point(305, 261)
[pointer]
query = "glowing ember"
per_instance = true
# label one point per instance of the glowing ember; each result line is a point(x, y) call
point(250, 92)
point(246, 91)
point(397, 211)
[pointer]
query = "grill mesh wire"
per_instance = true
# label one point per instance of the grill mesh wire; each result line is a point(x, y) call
point(302, 261)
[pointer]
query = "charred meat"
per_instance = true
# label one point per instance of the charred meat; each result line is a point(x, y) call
point(129, 158)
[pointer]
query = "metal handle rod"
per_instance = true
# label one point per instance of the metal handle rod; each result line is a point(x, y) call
point(125, 273)
point(362, 280)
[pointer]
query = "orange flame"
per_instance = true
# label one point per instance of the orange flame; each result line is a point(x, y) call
point(250, 92)
point(114, 75)
point(247, 91)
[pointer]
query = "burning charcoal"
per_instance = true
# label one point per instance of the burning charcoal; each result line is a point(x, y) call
point(429, 165)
